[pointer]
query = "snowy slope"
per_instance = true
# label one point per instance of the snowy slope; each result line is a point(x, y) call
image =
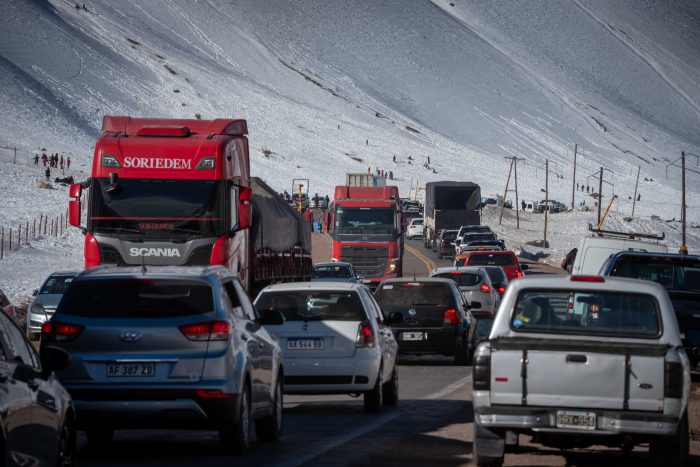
point(335, 87)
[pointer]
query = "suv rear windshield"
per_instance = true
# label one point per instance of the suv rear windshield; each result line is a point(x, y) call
point(490, 260)
point(414, 293)
point(464, 279)
point(674, 275)
point(586, 312)
point(449, 235)
point(137, 298)
point(314, 305)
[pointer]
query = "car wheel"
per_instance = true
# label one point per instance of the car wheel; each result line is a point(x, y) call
point(99, 435)
point(489, 447)
point(391, 389)
point(270, 428)
point(66, 443)
point(373, 397)
point(672, 450)
point(234, 437)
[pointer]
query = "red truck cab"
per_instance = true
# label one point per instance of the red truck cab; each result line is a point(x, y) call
point(167, 192)
point(366, 225)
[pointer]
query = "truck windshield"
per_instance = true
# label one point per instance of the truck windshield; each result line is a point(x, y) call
point(586, 312)
point(159, 208)
point(363, 220)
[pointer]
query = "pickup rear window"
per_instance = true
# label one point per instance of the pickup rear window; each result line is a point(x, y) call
point(137, 298)
point(490, 260)
point(586, 312)
point(313, 305)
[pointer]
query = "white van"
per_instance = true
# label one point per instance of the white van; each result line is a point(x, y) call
point(593, 251)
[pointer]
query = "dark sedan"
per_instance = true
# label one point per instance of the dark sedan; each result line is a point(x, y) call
point(37, 418)
point(436, 317)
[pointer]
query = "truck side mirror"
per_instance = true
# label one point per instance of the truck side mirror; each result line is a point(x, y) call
point(74, 207)
point(245, 216)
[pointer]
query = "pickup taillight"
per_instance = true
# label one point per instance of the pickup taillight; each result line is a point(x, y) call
point(481, 372)
point(673, 380)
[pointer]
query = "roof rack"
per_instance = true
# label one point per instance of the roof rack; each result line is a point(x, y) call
point(629, 235)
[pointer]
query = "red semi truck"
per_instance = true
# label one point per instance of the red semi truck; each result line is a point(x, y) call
point(366, 225)
point(179, 192)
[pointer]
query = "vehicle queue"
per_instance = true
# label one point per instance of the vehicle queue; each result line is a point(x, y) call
point(121, 338)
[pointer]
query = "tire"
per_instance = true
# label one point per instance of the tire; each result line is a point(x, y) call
point(66, 443)
point(270, 428)
point(489, 447)
point(99, 435)
point(672, 450)
point(373, 397)
point(391, 389)
point(234, 437)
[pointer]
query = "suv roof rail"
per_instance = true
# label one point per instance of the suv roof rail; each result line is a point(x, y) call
point(629, 235)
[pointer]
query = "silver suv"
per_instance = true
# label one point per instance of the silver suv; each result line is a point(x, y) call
point(168, 347)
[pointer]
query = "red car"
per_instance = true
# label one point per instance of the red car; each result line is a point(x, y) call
point(505, 259)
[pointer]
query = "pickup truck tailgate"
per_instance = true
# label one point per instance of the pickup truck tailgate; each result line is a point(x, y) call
point(577, 374)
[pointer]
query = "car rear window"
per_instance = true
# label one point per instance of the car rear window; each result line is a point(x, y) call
point(56, 285)
point(586, 312)
point(479, 237)
point(684, 276)
point(310, 305)
point(490, 260)
point(450, 235)
point(331, 272)
point(496, 274)
point(414, 293)
point(465, 279)
point(137, 298)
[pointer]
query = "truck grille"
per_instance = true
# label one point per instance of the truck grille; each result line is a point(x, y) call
point(369, 261)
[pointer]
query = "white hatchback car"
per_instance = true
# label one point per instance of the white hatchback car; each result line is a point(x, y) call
point(416, 227)
point(335, 340)
point(475, 285)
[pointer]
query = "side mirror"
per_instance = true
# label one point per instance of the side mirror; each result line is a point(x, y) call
point(394, 317)
point(245, 216)
point(35, 292)
point(474, 305)
point(74, 208)
point(524, 267)
point(52, 359)
point(272, 318)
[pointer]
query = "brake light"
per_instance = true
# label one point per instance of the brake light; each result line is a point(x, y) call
point(213, 394)
point(451, 317)
point(587, 278)
point(365, 335)
point(60, 332)
point(456, 273)
point(481, 373)
point(518, 273)
point(485, 288)
point(673, 380)
point(501, 289)
point(207, 331)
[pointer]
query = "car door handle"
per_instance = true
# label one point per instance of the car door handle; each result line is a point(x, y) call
point(576, 358)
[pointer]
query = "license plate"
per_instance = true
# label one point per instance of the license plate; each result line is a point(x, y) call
point(414, 336)
point(305, 344)
point(131, 369)
point(578, 420)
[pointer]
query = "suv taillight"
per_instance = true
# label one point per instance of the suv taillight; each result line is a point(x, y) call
point(60, 332)
point(673, 380)
point(481, 372)
point(518, 273)
point(485, 288)
point(451, 317)
point(207, 331)
point(501, 289)
point(365, 335)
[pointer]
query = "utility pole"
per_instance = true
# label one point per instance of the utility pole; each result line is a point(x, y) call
point(505, 191)
point(546, 200)
point(573, 181)
point(600, 192)
point(636, 185)
point(684, 246)
point(517, 205)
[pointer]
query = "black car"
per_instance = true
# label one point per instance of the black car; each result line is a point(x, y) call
point(680, 276)
point(436, 317)
point(37, 418)
point(446, 243)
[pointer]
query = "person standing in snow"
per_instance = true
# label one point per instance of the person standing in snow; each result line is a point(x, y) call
point(522, 204)
point(309, 216)
point(639, 197)
point(394, 159)
point(36, 159)
point(68, 163)
point(391, 175)
point(48, 174)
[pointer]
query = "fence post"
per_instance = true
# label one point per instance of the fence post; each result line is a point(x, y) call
point(15, 160)
point(34, 229)
point(10, 249)
point(2, 243)
point(19, 236)
point(26, 232)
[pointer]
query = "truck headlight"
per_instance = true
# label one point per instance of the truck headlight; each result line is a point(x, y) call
point(394, 265)
point(335, 260)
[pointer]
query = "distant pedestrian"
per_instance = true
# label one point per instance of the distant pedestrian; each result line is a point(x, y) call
point(309, 216)
point(36, 159)
point(391, 175)
point(394, 159)
point(588, 189)
point(68, 163)
point(639, 197)
point(369, 169)
point(576, 186)
point(522, 204)
point(44, 159)
point(48, 174)
point(366, 142)
point(428, 159)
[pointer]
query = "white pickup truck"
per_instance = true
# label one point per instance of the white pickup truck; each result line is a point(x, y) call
point(577, 361)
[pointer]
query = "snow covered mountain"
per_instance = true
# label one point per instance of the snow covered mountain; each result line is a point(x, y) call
point(330, 87)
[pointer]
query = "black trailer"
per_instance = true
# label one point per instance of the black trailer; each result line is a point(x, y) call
point(449, 205)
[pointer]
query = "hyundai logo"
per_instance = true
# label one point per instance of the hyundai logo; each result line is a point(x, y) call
point(130, 336)
point(412, 312)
